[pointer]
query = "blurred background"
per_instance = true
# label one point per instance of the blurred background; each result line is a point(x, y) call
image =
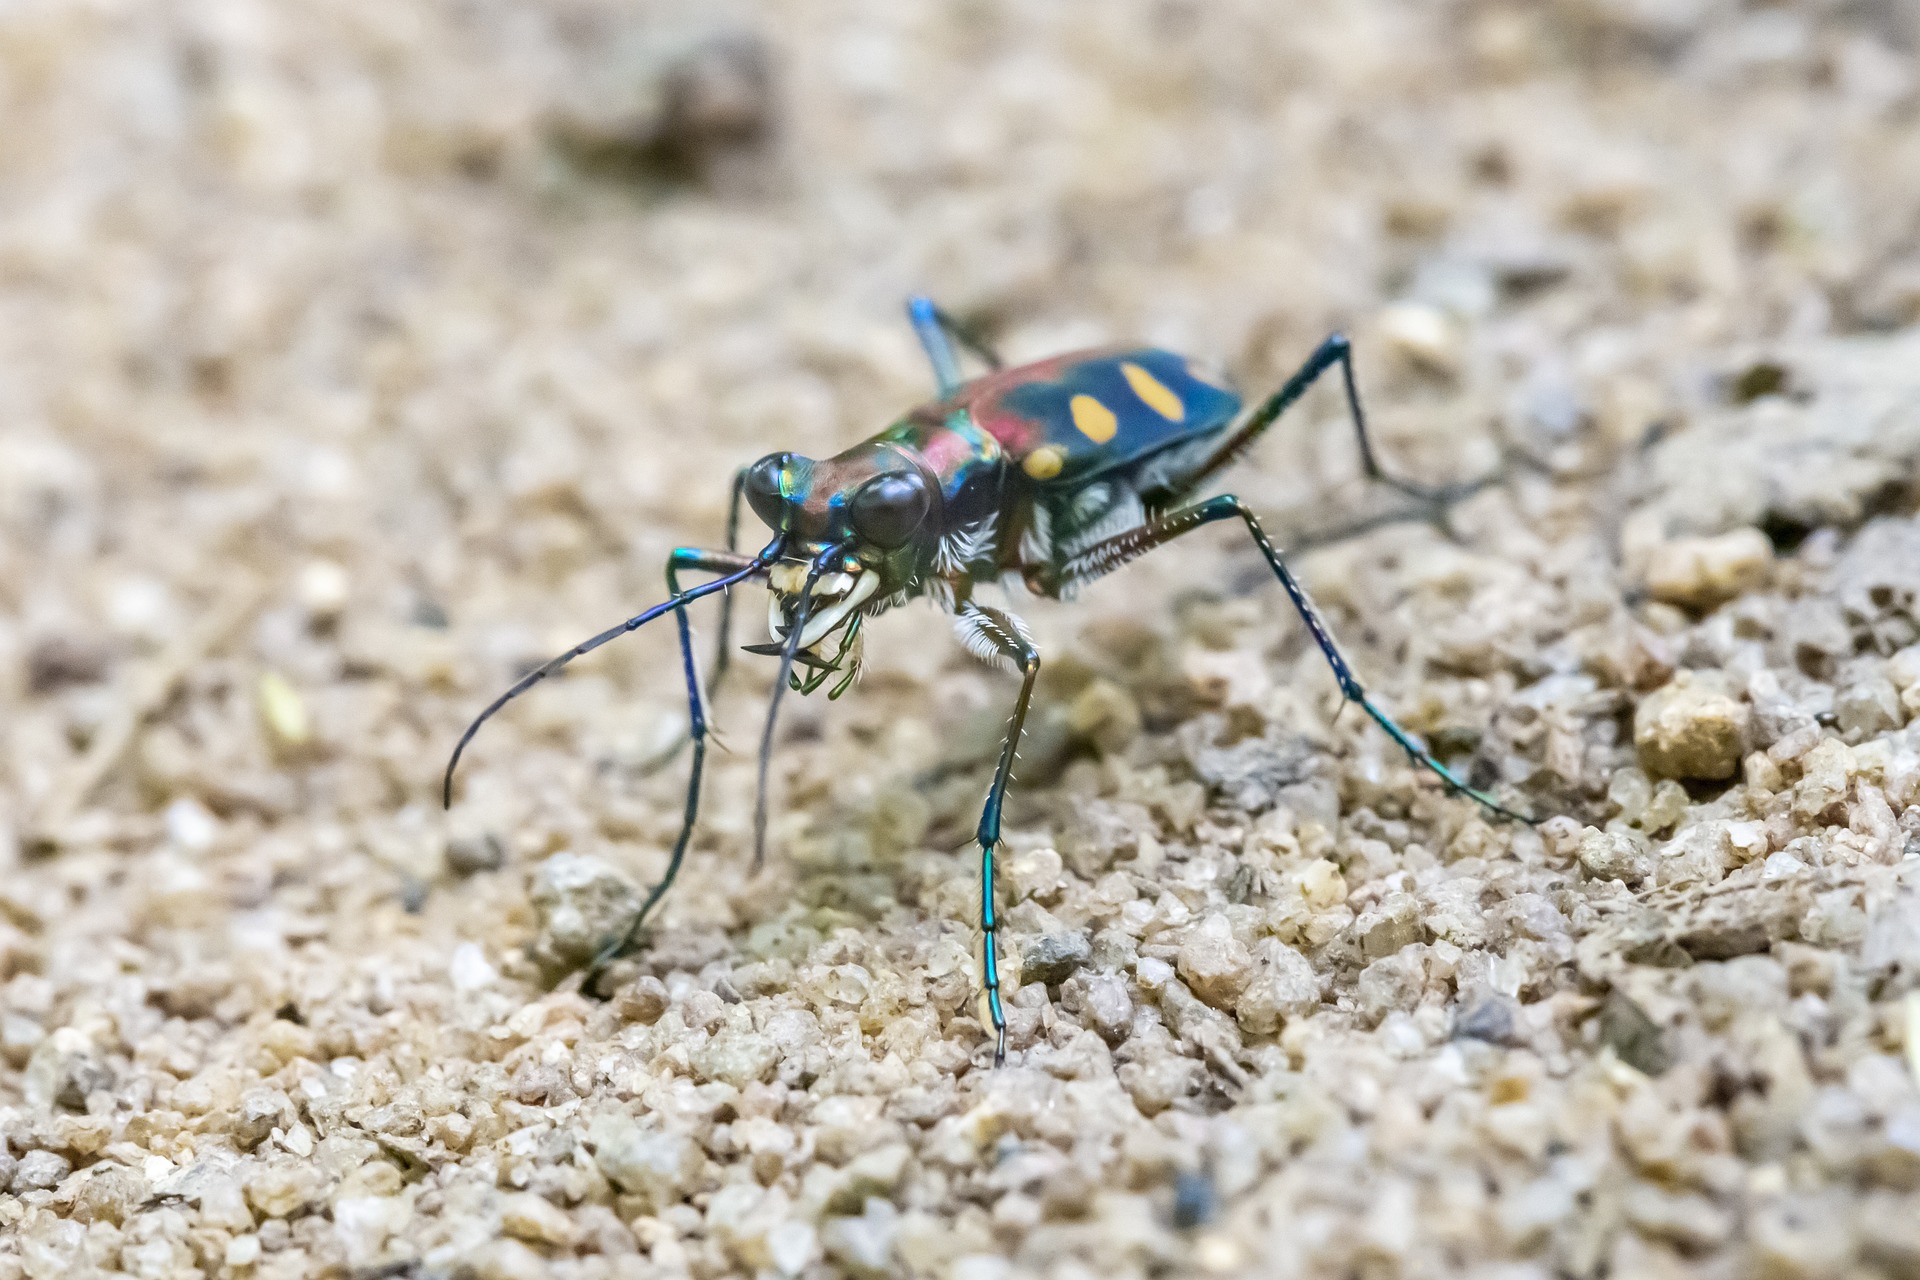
point(356, 355)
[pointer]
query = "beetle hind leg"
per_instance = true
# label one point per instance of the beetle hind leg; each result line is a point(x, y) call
point(1105, 557)
point(1433, 501)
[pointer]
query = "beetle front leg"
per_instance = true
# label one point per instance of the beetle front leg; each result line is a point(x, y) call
point(723, 646)
point(993, 635)
point(683, 559)
point(695, 559)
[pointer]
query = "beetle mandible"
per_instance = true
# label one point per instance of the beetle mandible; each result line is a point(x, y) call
point(1053, 474)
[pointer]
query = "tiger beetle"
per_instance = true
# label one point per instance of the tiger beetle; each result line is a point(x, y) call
point(1050, 475)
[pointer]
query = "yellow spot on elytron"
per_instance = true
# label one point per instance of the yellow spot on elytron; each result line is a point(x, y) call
point(1044, 464)
point(1095, 420)
point(1155, 393)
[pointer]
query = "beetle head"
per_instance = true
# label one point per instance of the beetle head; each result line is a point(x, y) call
point(878, 499)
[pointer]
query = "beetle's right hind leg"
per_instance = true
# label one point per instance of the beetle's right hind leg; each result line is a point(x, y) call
point(1104, 557)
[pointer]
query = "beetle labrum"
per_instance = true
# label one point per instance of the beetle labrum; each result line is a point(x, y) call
point(1053, 474)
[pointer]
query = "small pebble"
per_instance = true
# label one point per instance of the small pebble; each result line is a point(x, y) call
point(284, 712)
point(191, 825)
point(582, 903)
point(39, 1171)
point(1615, 855)
point(1196, 1201)
point(1690, 730)
point(864, 1245)
point(1425, 335)
point(654, 1165)
point(1702, 573)
point(1867, 707)
point(1214, 963)
point(642, 1001)
point(468, 969)
point(472, 855)
point(534, 1219)
point(64, 1069)
point(1284, 986)
point(1102, 1002)
point(1053, 957)
point(1493, 1020)
point(1631, 1034)
point(324, 588)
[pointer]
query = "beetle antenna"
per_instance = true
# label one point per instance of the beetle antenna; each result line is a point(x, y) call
point(802, 610)
point(545, 669)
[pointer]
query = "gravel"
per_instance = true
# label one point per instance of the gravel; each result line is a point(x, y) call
point(358, 358)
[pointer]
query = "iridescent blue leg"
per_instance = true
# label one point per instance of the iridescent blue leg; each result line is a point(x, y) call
point(1010, 642)
point(938, 332)
point(1104, 557)
point(683, 559)
point(934, 338)
point(723, 642)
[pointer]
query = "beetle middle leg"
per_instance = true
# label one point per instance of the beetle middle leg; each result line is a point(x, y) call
point(1104, 557)
point(683, 559)
point(996, 636)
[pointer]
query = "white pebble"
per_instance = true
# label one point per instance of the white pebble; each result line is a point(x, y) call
point(190, 825)
point(468, 969)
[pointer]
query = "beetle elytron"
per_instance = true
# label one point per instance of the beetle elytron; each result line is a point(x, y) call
point(1053, 474)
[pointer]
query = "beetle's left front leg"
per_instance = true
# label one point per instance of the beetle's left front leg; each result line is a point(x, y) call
point(723, 645)
point(1000, 638)
point(683, 560)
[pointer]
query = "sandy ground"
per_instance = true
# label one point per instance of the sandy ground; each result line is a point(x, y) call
point(354, 356)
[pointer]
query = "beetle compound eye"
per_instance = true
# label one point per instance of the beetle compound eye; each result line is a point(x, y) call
point(763, 489)
point(889, 508)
